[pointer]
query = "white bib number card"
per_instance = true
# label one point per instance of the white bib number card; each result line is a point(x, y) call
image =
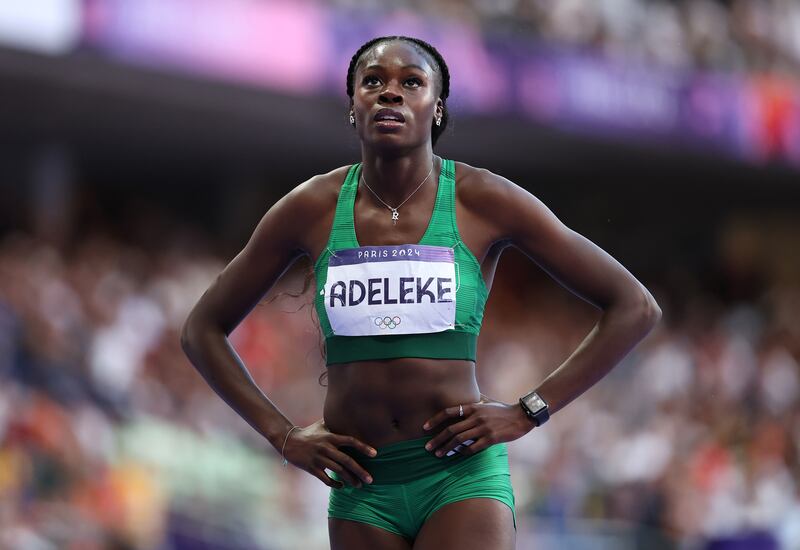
point(406, 289)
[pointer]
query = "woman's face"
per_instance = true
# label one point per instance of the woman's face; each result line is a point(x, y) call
point(395, 96)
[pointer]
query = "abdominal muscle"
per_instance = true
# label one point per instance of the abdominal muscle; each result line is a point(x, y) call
point(386, 401)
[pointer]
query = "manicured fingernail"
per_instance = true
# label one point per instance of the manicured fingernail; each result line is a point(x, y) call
point(373, 452)
point(427, 446)
point(438, 453)
point(369, 479)
point(426, 426)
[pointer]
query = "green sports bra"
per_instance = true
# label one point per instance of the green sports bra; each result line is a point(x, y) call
point(415, 300)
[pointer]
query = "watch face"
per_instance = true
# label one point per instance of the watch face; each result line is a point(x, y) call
point(535, 402)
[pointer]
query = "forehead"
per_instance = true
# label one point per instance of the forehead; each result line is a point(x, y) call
point(396, 53)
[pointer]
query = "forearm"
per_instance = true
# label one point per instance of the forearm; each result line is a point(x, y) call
point(614, 336)
point(218, 363)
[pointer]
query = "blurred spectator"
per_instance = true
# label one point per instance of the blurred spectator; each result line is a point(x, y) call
point(108, 438)
point(738, 35)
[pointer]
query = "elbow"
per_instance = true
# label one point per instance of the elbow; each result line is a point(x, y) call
point(195, 335)
point(188, 331)
point(638, 309)
point(648, 311)
point(185, 337)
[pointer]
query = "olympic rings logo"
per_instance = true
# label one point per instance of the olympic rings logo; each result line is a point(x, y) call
point(387, 322)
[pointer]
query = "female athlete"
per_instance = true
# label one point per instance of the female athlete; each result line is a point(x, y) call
point(405, 245)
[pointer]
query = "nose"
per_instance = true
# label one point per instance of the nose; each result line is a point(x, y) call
point(390, 97)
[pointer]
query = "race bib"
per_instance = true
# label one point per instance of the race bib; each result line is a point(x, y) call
point(406, 289)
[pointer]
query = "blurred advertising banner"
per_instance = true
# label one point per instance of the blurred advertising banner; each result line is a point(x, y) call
point(276, 44)
point(304, 48)
point(746, 116)
point(45, 26)
point(296, 47)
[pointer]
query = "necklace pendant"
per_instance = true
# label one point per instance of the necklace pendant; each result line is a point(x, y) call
point(395, 216)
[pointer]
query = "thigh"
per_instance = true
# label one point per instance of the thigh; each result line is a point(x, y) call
point(345, 534)
point(473, 523)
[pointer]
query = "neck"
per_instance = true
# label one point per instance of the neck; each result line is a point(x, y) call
point(394, 178)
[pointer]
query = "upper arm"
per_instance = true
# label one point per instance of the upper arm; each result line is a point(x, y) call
point(275, 244)
point(573, 260)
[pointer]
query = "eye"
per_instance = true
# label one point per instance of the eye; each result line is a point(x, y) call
point(370, 80)
point(414, 82)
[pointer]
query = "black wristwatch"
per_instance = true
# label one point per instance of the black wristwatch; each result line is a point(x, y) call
point(535, 407)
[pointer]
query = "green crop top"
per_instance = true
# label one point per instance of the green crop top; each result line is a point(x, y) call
point(416, 300)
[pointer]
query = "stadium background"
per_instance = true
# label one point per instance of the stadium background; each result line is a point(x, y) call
point(141, 141)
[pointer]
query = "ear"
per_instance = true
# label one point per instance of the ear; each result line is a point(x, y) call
point(439, 110)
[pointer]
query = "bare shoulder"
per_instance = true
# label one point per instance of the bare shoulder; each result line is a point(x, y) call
point(317, 195)
point(299, 220)
point(480, 189)
point(488, 198)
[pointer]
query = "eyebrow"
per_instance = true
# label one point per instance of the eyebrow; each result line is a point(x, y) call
point(373, 67)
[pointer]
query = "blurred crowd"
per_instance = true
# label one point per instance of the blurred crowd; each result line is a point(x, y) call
point(731, 35)
point(110, 439)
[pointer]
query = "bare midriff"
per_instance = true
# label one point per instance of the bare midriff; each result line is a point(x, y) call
point(383, 402)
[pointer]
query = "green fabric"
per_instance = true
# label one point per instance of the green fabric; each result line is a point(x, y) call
point(410, 483)
point(471, 294)
point(449, 344)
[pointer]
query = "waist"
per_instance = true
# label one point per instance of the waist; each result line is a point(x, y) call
point(382, 403)
point(405, 461)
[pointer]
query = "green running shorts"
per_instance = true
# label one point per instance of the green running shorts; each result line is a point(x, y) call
point(411, 483)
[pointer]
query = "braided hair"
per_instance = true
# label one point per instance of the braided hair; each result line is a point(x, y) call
point(436, 61)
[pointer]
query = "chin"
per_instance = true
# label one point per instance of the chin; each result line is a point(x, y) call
point(393, 140)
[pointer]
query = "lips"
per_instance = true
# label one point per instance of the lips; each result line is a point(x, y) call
point(389, 115)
